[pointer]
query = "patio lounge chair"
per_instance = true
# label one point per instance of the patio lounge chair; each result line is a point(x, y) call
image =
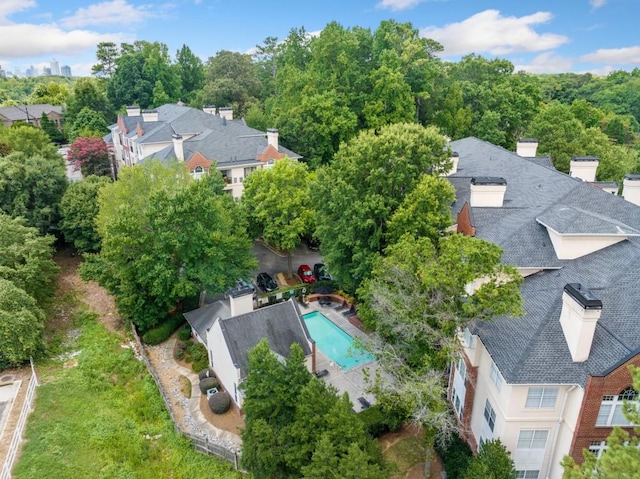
point(324, 300)
point(350, 312)
point(342, 306)
point(322, 373)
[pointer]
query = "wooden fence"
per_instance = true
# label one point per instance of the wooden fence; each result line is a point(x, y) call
point(199, 444)
point(16, 440)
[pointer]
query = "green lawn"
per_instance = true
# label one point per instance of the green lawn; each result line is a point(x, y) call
point(406, 453)
point(104, 418)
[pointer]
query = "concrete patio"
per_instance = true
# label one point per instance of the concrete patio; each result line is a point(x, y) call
point(351, 381)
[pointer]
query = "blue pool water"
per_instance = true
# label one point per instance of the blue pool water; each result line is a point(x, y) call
point(334, 342)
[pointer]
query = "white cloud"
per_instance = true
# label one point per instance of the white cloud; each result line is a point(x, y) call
point(597, 3)
point(26, 40)
point(618, 56)
point(546, 62)
point(491, 32)
point(8, 7)
point(118, 12)
point(397, 5)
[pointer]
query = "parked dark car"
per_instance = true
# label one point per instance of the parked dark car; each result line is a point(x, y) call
point(242, 284)
point(266, 282)
point(320, 272)
point(305, 273)
point(312, 243)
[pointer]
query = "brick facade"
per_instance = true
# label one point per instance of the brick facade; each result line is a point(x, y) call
point(467, 409)
point(597, 387)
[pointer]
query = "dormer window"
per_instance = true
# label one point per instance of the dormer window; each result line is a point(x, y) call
point(197, 172)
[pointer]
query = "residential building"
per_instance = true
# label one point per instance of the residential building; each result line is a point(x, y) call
point(229, 329)
point(552, 382)
point(202, 139)
point(31, 114)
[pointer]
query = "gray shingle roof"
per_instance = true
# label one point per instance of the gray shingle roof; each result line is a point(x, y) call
point(532, 349)
point(20, 112)
point(202, 318)
point(228, 142)
point(281, 324)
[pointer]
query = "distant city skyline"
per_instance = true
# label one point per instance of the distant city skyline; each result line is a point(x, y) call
point(545, 36)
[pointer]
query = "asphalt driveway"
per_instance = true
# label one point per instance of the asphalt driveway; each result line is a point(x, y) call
point(273, 262)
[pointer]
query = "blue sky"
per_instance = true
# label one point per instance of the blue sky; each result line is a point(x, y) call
point(542, 37)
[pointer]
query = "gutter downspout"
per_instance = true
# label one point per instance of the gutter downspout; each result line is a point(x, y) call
point(557, 432)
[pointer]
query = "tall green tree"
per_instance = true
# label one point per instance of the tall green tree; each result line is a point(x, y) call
point(621, 459)
point(276, 201)
point(415, 300)
point(78, 209)
point(296, 426)
point(21, 325)
point(31, 187)
point(49, 127)
point(88, 93)
point(87, 123)
point(231, 80)
point(360, 191)
point(493, 461)
point(106, 54)
point(26, 258)
point(29, 140)
point(191, 73)
point(166, 237)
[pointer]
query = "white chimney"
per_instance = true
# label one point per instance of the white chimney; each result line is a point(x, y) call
point(210, 109)
point(527, 147)
point(178, 146)
point(578, 318)
point(584, 167)
point(226, 112)
point(241, 301)
point(487, 191)
point(272, 137)
point(149, 115)
point(133, 110)
point(631, 189)
point(455, 157)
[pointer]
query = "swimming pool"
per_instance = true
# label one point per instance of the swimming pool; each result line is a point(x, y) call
point(334, 342)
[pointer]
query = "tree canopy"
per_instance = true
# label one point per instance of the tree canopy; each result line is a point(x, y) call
point(296, 425)
point(358, 194)
point(277, 203)
point(166, 237)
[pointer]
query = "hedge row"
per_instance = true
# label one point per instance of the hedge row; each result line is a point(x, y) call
point(164, 330)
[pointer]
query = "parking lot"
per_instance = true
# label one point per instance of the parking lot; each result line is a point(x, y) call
point(274, 262)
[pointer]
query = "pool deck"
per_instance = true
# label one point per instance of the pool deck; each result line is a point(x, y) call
point(351, 381)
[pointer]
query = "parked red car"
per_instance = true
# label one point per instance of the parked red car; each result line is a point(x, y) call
point(305, 273)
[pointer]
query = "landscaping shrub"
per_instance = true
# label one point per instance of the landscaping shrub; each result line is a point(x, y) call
point(164, 330)
point(219, 403)
point(455, 455)
point(184, 333)
point(374, 421)
point(197, 355)
point(208, 383)
point(180, 351)
point(206, 373)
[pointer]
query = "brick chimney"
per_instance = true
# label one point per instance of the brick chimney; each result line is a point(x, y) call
point(272, 137)
point(210, 109)
point(631, 189)
point(178, 146)
point(226, 112)
point(584, 167)
point(149, 115)
point(241, 301)
point(487, 191)
point(133, 110)
point(527, 147)
point(581, 310)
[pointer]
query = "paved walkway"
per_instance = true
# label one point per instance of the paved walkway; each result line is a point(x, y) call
point(194, 420)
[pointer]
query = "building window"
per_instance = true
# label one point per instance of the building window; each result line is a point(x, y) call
point(496, 377)
point(542, 397)
point(612, 411)
point(527, 474)
point(248, 170)
point(489, 415)
point(197, 172)
point(598, 447)
point(530, 439)
point(467, 338)
point(462, 369)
